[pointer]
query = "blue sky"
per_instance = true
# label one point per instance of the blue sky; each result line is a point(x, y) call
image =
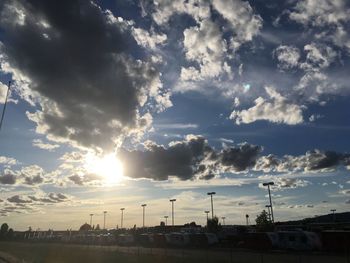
point(118, 103)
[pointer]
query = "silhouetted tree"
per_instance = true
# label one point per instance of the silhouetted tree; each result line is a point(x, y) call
point(213, 225)
point(97, 227)
point(263, 223)
point(85, 227)
point(192, 224)
point(3, 230)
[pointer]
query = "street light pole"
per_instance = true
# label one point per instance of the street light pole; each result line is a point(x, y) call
point(223, 220)
point(247, 219)
point(268, 188)
point(143, 215)
point(212, 206)
point(172, 210)
point(333, 210)
point(122, 217)
point(104, 219)
point(268, 211)
point(207, 212)
point(91, 215)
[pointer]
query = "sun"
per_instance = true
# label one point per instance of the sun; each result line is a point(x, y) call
point(108, 166)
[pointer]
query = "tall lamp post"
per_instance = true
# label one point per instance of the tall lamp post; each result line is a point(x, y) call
point(223, 220)
point(268, 211)
point(333, 210)
point(91, 215)
point(212, 206)
point(207, 212)
point(104, 219)
point(166, 220)
point(268, 188)
point(172, 210)
point(122, 217)
point(143, 215)
point(247, 219)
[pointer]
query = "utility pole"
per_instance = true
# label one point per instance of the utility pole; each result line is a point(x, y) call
point(212, 206)
point(172, 210)
point(91, 215)
point(333, 211)
point(223, 220)
point(268, 188)
point(5, 104)
point(268, 212)
point(122, 217)
point(143, 215)
point(104, 219)
point(207, 212)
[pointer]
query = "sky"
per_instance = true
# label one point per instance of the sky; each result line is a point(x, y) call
point(114, 104)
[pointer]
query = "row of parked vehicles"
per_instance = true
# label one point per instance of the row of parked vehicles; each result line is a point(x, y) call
point(286, 240)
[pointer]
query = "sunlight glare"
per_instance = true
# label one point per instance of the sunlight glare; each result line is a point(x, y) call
point(108, 166)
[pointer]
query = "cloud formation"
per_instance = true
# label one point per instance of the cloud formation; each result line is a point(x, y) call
point(277, 110)
point(89, 88)
point(311, 161)
point(187, 159)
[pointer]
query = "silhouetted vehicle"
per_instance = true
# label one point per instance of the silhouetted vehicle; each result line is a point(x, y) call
point(298, 240)
point(198, 240)
point(336, 241)
point(259, 240)
point(125, 239)
point(179, 239)
point(159, 240)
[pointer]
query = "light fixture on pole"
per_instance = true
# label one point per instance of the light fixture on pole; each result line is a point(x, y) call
point(143, 214)
point(166, 220)
point(104, 219)
point(268, 188)
point(212, 206)
point(172, 210)
point(122, 217)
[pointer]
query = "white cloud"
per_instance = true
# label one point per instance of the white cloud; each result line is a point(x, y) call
point(45, 146)
point(8, 161)
point(320, 13)
point(277, 109)
point(318, 56)
point(287, 56)
point(330, 15)
point(210, 46)
point(148, 39)
point(204, 45)
point(244, 23)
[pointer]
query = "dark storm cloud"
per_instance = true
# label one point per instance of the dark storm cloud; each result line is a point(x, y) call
point(240, 158)
point(186, 159)
point(76, 57)
point(7, 178)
